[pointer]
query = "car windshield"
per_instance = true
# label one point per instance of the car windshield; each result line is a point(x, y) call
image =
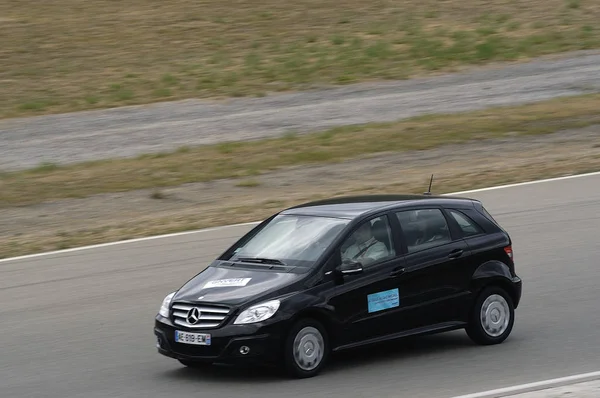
point(292, 240)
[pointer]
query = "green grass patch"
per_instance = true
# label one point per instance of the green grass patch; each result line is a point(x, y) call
point(105, 53)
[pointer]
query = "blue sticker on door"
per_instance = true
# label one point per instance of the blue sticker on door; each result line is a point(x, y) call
point(383, 300)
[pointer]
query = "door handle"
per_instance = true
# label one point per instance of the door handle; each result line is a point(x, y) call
point(397, 271)
point(455, 253)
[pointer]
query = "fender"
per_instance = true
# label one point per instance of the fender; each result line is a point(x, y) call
point(496, 273)
point(314, 306)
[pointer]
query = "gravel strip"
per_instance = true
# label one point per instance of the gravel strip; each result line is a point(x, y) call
point(124, 132)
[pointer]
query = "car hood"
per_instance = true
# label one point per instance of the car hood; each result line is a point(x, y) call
point(231, 286)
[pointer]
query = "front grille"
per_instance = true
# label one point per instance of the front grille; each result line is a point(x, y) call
point(210, 316)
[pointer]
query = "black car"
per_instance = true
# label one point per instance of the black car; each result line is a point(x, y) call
point(336, 274)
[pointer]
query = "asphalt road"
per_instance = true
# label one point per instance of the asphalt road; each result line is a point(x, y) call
point(124, 132)
point(80, 324)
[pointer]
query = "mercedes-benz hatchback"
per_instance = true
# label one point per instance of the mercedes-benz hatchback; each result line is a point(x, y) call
point(336, 274)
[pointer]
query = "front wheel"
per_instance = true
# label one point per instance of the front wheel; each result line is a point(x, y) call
point(306, 349)
point(492, 318)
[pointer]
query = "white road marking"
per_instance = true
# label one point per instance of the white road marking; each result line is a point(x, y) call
point(526, 183)
point(540, 385)
point(121, 242)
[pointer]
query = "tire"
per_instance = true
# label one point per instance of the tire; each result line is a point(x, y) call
point(313, 335)
point(493, 303)
point(193, 364)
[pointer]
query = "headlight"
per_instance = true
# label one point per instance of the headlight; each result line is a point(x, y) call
point(258, 312)
point(164, 308)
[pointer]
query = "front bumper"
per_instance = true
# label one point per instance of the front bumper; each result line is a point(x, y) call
point(263, 340)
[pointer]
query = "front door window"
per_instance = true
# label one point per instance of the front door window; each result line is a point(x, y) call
point(371, 243)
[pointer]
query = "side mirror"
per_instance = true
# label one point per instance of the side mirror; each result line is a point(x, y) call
point(350, 267)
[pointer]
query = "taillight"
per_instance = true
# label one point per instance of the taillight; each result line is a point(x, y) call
point(509, 252)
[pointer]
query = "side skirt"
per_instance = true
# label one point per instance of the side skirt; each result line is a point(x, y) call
point(432, 329)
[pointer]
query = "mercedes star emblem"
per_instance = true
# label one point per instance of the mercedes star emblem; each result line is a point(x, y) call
point(193, 316)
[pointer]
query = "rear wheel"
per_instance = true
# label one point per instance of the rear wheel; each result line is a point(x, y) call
point(492, 317)
point(306, 349)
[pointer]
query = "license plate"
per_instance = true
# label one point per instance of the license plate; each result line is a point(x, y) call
point(192, 338)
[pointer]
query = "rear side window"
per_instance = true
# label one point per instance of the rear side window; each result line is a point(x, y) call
point(424, 229)
point(488, 215)
point(466, 224)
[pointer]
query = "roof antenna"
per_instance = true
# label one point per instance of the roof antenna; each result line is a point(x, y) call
point(428, 193)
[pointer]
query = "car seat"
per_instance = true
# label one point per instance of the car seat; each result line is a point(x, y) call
point(381, 233)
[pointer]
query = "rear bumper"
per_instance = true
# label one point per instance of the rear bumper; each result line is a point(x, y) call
point(262, 343)
point(518, 286)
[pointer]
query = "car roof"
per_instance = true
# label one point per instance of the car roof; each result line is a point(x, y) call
point(351, 207)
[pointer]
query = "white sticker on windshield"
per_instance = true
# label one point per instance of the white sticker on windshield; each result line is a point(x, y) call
point(227, 282)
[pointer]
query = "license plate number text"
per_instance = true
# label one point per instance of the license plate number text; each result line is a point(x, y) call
point(192, 338)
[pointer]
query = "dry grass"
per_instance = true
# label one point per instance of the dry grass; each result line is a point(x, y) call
point(63, 55)
point(153, 225)
point(243, 159)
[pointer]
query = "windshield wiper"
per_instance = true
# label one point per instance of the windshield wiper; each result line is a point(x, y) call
point(260, 260)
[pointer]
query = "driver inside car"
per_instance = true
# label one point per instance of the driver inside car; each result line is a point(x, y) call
point(365, 249)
